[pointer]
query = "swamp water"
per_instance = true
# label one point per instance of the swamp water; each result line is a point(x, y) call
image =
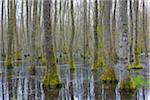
point(82, 84)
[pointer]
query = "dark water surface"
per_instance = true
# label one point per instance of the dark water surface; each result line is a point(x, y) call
point(82, 84)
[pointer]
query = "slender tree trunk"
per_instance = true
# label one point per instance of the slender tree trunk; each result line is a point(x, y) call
point(96, 41)
point(55, 26)
point(2, 32)
point(136, 49)
point(144, 30)
point(27, 26)
point(113, 32)
point(51, 76)
point(123, 39)
point(11, 19)
point(33, 37)
point(85, 47)
point(131, 33)
point(107, 32)
point(72, 37)
point(16, 42)
point(22, 32)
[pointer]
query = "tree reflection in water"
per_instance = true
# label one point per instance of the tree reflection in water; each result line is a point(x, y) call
point(81, 84)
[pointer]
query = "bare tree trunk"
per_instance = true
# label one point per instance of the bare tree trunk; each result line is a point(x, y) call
point(22, 32)
point(123, 38)
point(51, 76)
point(72, 37)
point(96, 41)
point(27, 26)
point(2, 32)
point(11, 19)
point(136, 31)
point(55, 26)
point(33, 37)
point(85, 40)
point(107, 32)
point(144, 30)
point(113, 32)
point(131, 33)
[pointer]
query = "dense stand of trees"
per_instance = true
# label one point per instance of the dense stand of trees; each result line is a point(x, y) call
point(101, 32)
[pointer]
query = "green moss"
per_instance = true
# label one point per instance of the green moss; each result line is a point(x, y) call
point(129, 66)
point(51, 79)
point(48, 80)
point(43, 60)
point(128, 84)
point(64, 50)
point(95, 66)
point(30, 59)
point(71, 63)
point(109, 75)
point(101, 61)
point(146, 82)
point(18, 55)
point(137, 66)
point(32, 70)
point(9, 62)
point(138, 80)
point(137, 59)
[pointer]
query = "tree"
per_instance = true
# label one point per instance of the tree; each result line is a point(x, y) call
point(51, 75)
point(2, 32)
point(85, 37)
point(131, 43)
point(96, 40)
point(27, 25)
point(72, 37)
point(144, 29)
point(124, 79)
point(107, 31)
point(55, 25)
point(33, 37)
point(136, 49)
point(11, 19)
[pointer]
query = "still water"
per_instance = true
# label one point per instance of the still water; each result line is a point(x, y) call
point(82, 84)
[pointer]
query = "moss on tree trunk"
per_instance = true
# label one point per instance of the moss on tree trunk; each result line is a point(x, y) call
point(9, 62)
point(51, 79)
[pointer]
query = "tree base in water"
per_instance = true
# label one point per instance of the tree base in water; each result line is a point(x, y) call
point(52, 86)
point(94, 67)
point(43, 60)
point(71, 64)
point(9, 62)
point(136, 66)
point(128, 84)
point(109, 75)
point(51, 81)
point(32, 70)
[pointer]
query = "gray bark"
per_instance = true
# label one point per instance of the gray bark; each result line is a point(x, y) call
point(144, 29)
point(96, 40)
point(48, 40)
point(136, 51)
point(85, 36)
point(2, 32)
point(72, 36)
point(34, 33)
point(11, 19)
point(131, 32)
point(107, 31)
point(123, 38)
